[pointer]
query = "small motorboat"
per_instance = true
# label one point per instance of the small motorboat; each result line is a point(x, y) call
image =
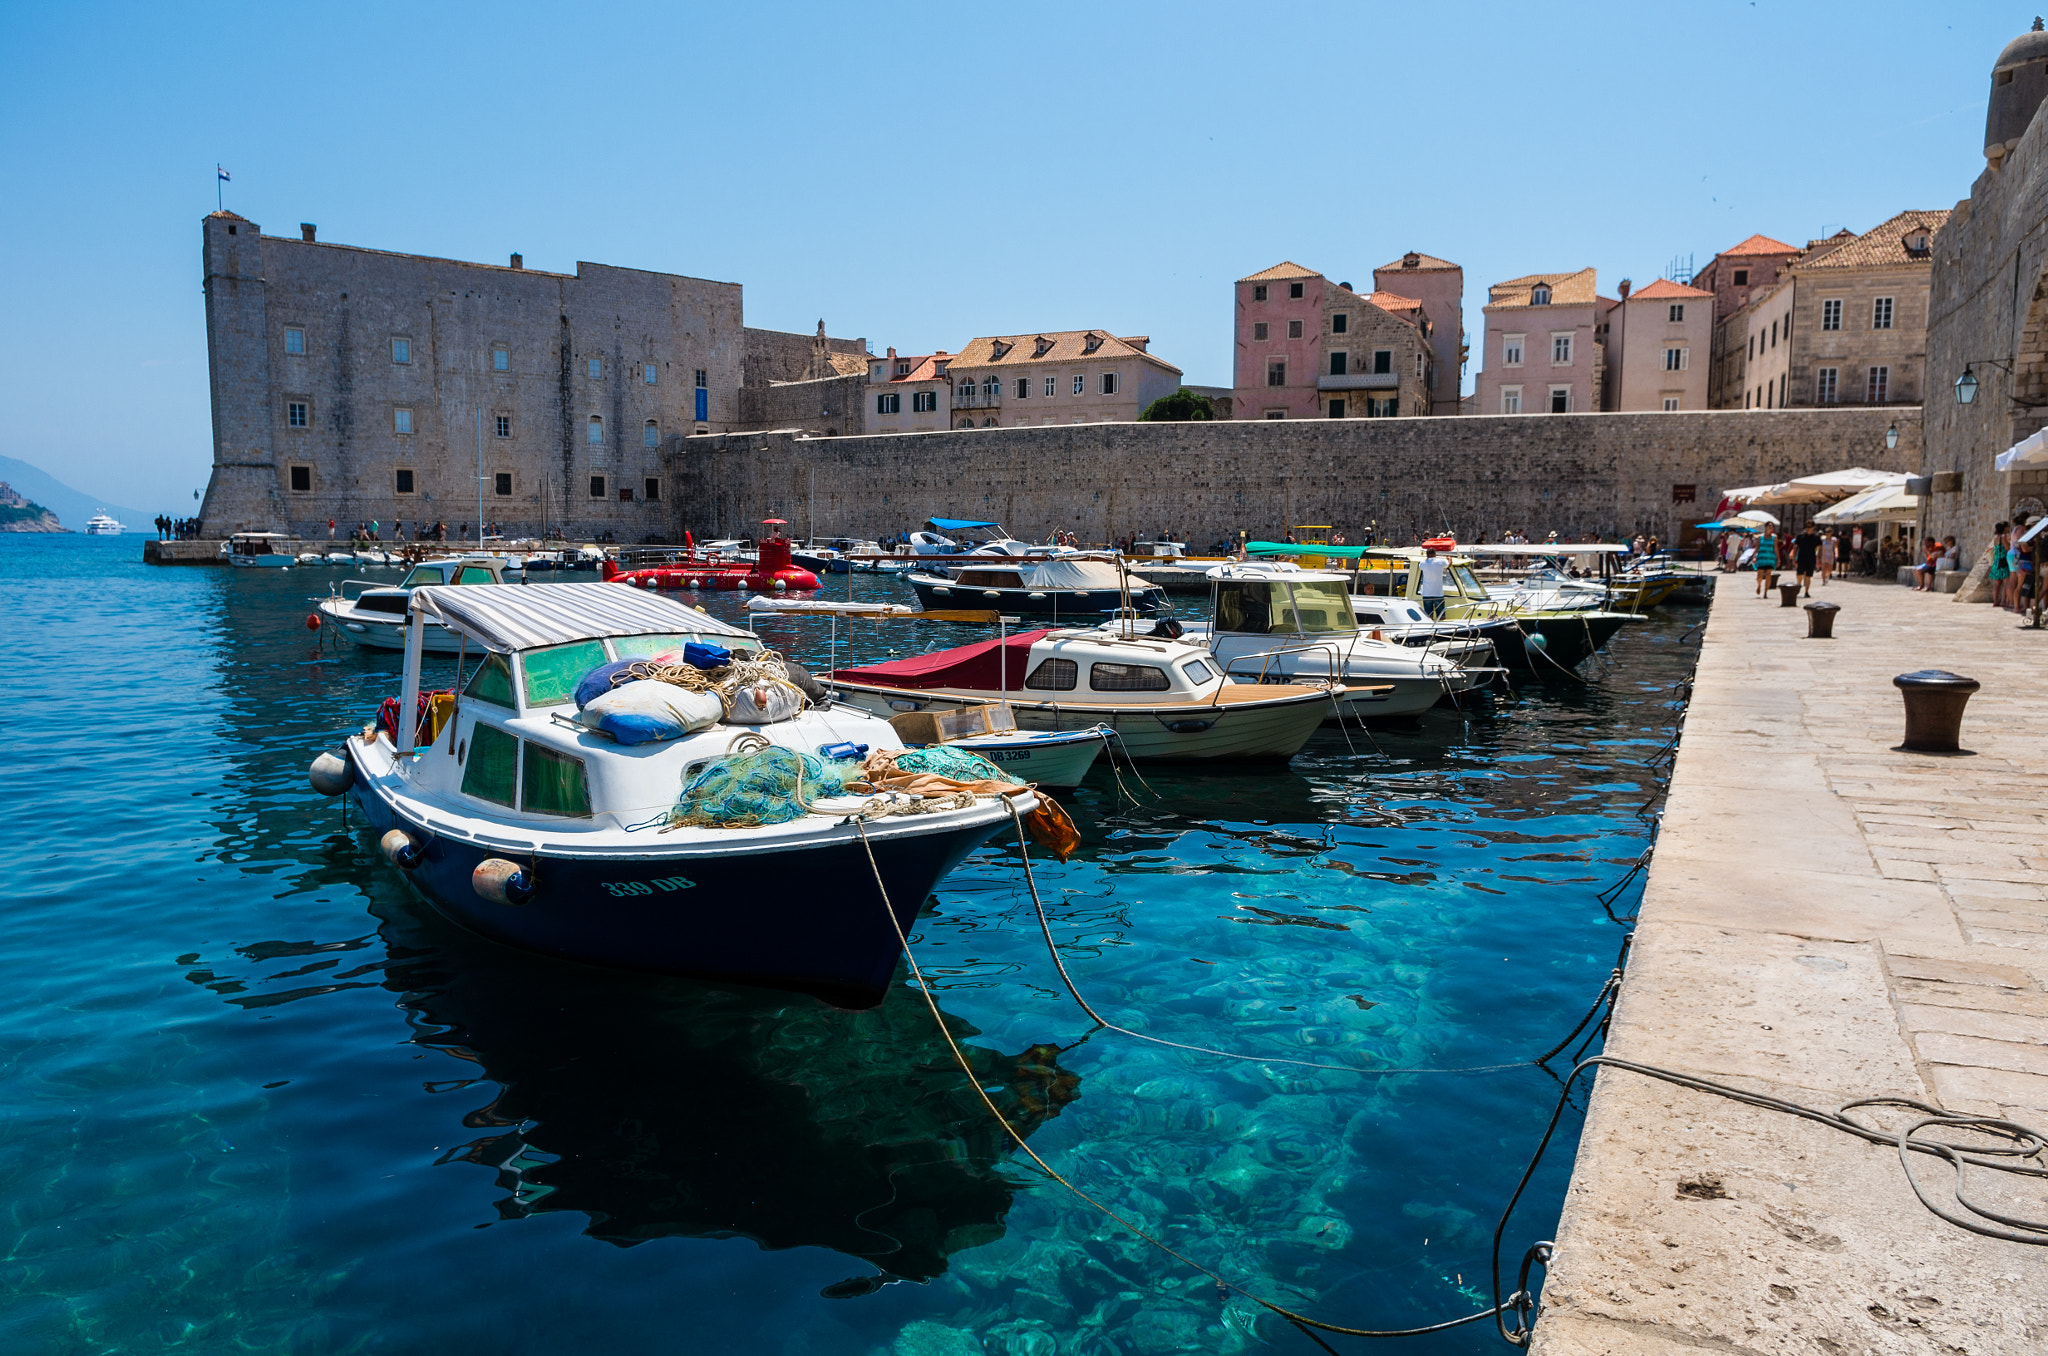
point(259, 550)
point(103, 524)
point(1272, 621)
point(773, 570)
point(516, 818)
point(1040, 757)
point(1076, 587)
point(375, 616)
point(1166, 699)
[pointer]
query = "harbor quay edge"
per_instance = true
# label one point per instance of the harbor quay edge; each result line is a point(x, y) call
point(1577, 474)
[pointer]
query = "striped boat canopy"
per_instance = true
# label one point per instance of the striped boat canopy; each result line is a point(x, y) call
point(509, 617)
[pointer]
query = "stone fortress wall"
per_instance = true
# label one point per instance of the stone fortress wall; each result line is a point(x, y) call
point(1577, 474)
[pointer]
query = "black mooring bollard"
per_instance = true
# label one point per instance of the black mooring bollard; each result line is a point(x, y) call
point(1820, 620)
point(1935, 699)
point(1788, 595)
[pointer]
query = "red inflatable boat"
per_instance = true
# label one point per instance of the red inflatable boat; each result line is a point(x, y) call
point(771, 573)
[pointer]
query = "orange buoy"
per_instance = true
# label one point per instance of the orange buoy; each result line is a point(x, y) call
point(312, 621)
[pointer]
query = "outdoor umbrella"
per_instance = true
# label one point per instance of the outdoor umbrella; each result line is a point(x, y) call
point(1749, 494)
point(1758, 516)
point(2028, 451)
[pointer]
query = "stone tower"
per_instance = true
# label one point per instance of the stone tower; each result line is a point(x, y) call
point(242, 494)
point(2019, 81)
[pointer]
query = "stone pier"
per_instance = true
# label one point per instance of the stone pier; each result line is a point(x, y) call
point(1827, 917)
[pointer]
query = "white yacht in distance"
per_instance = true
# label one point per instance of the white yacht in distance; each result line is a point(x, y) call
point(101, 525)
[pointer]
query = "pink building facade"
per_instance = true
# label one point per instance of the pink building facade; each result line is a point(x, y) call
point(1309, 348)
point(1544, 348)
point(1439, 285)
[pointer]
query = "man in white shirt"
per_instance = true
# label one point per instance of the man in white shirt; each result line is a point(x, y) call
point(1431, 589)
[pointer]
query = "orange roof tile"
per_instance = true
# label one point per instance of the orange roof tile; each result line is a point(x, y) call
point(1566, 289)
point(1061, 346)
point(1884, 245)
point(1424, 263)
point(1759, 244)
point(1666, 289)
point(1281, 272)
point(1388, 301)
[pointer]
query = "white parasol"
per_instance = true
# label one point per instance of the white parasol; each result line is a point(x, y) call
point(1757, 516)
point(2028, 451)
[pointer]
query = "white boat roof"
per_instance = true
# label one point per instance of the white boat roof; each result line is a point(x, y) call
point(510, 617)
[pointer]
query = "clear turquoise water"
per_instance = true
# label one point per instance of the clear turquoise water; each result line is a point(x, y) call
point(257, 1098)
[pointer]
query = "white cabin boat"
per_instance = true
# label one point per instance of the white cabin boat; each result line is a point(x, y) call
point(376, 616)
point(259, 550)
point(102, 524)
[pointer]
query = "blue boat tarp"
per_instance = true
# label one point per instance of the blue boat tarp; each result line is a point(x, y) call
point(957, 524)
point(1732, 525)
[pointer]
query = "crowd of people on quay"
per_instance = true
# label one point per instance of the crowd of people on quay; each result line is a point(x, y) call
point(176, 529)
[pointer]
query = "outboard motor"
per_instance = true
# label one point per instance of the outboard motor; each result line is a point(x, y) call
point(1168, 628)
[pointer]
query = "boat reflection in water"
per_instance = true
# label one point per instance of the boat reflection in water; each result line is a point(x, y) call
point(662, 1107)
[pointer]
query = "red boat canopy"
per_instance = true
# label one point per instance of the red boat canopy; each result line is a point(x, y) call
point(976, 667)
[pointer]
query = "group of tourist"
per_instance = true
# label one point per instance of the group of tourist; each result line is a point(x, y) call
point(374, 531)
point(1809, 553)
point(2011, 575)
point(176, 529)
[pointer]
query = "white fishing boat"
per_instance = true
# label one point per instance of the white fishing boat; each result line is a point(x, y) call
point(1166, 699)
point(1076, 588)
point(516, 816)
point(1272, 621)
point(376, 615)
point(258, 550)
point(102, 524)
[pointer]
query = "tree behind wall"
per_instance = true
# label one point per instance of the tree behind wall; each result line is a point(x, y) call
point(1182, 407)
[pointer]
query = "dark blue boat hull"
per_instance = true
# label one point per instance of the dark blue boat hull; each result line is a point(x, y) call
point(809, 920)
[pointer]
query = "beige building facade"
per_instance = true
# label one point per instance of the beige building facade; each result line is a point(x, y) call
point(1544, 352)
point(908, 394)
point(1438, 288)
point(1056, 377)
point(1657, 342)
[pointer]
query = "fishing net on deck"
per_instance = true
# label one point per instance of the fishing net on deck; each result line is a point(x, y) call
point(757, 784)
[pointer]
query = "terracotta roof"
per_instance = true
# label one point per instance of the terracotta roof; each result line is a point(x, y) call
point(1057, 346)
point(1566, 289)
point(1388, 301)
point(1759, 244)
point(848, 364)
point(1282, 272)
point(227, 216)
point(922, 368)
point(1424, 263)
point(1883, 246)
point(1666, 289)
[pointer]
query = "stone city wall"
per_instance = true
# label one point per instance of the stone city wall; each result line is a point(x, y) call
point(1580, 474)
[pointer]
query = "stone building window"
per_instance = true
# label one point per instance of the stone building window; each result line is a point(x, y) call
point(597, 487)
point(1294, 329)
point(625, 495)
point(302, 479)
point(1023, 389)
point(1383, 362)
point(650, 374)
point(401, 350)
point(1677, 312)
point(1276, 374)
point(596, 431)
point(1878, 385)
point(501, 359)
point(1051, 386)
point(1510, 400)
point(1675, 359)
point(1824, 385)
point(595, 366)
point(1260, 330)
point(1080, 383)
point(1741, 277)
point(1539, 295)
point(1831, 314)
point(1339, 323)
point(926, 402)
point(294, 340)
point(1881, 313)
point(401, 420)
point(1670, 404)
point(701, 382)
point(1258, 289)
point(650, 434)
point(1109, 383)
point(1294, 290)
point(1560, 400)
point(1560, 350)
point(295, 414)
point(650, 490)
point(1339, 361)
point(501, 484)
point(1511, 351)
point(1276, 414)
point(503, 425)
point(1336, 409)
point(402, 480)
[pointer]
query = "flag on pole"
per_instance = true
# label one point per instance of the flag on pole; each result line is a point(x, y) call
point(225, 176)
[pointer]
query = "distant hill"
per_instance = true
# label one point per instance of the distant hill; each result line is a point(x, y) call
point(71, 506)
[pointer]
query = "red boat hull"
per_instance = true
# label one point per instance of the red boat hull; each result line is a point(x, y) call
point(773, 569)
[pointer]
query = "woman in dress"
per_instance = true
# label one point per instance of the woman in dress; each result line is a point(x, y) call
point(1766, 561)
point(2001, 565)
point(1830, 552)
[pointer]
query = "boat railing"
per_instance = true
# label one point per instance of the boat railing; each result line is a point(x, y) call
point(1331, 658)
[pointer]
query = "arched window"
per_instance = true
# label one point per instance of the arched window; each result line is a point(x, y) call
point(650, 434)
point(596, 431)
point(991, 386)
point(988, 423)
point(966, 423)
point(1539, 296)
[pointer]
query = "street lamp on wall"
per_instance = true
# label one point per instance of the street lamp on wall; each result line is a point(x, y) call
point(1891, 437)
point(1966, 387)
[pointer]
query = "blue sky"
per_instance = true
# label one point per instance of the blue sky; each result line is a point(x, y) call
point(919, 175)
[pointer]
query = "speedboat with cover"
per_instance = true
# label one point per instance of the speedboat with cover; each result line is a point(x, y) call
point(376, 617)
point(260, 550)
point(1078, 588)
point(1273, 622)
point(626, 781)
point(1166, 699)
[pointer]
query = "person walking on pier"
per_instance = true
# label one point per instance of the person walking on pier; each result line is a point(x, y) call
point(1830, 555)
point(1766, 561)
point(1806, 558)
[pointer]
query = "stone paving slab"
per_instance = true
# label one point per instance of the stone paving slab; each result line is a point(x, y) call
point(1827, 917)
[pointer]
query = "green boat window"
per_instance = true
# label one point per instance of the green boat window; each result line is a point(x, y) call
point(640, 647)
point(474, 574)
point(1054, 675)
point(492, 683)
point(1318, 608)
point(551, 674)
point(424, 574)
point(491, 769)
point(555, 783)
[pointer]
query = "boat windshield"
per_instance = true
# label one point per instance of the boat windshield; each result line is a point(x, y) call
point(1319, 606)
point(1471, 587)
point(424, 574)
point(1265, 607)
